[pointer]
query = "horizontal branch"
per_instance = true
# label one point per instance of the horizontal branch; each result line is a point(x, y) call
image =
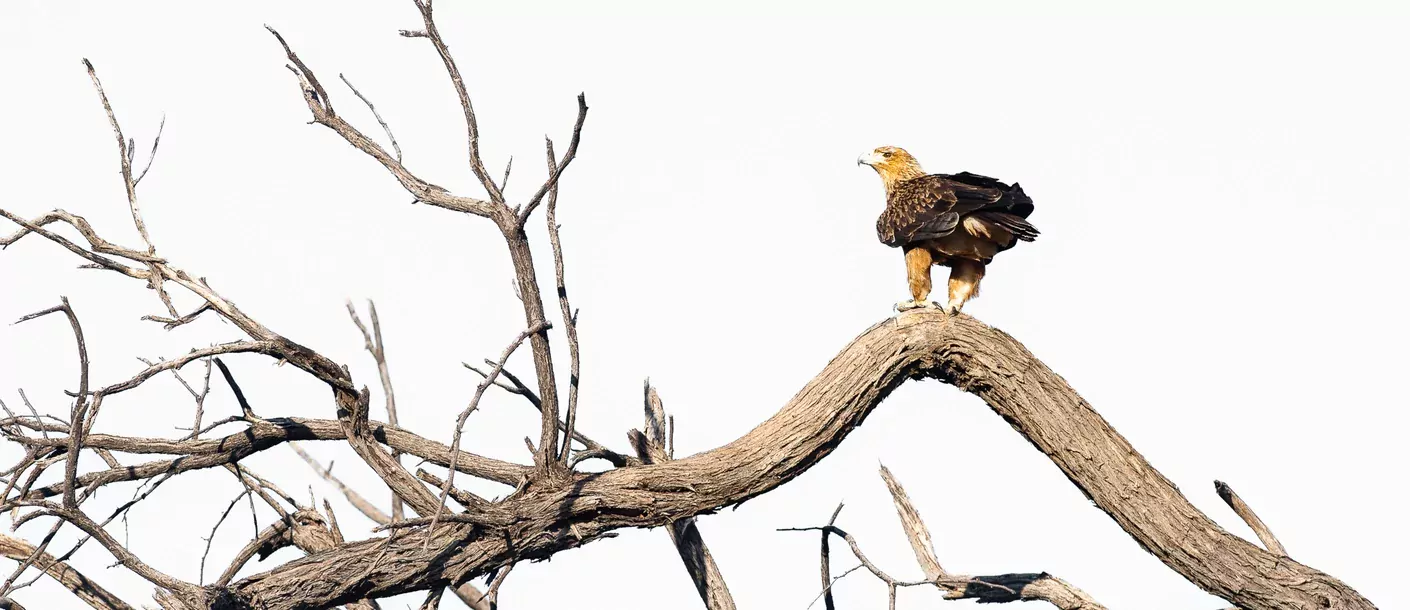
point(263, 434)
point(957, 350)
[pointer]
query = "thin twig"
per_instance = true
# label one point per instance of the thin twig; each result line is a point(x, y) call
point(360, 503)
point(591, 448)
point(472, 127)
point(202, 573)
point(827, 585)
point(375, 346)
point(126, 158)
point(475, 403)
point(128, 560)
point(826, 561)
point(560, 166)
point(381, 122)
point(152, 156)
point(492, 593)
point(465, 498)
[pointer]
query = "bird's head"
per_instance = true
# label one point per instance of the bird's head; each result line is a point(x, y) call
point(892, 164)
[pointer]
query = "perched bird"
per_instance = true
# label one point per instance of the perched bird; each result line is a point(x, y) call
point(960, 221)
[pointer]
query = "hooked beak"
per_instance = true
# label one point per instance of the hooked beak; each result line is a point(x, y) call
point(868, 158)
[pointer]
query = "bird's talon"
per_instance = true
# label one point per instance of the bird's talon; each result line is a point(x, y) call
point(909, 305)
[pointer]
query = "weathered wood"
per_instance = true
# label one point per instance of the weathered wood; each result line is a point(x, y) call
point(90, 592)
point(957, 350)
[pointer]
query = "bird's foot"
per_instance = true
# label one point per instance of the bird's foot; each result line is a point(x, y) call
point(909, 305)
point(952, 308)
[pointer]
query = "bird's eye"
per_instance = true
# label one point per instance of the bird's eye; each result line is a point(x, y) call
point(886, 155)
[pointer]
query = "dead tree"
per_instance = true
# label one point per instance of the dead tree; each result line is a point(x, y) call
point(455, 536)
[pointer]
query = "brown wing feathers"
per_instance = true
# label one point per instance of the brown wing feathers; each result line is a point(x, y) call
point(929, 207)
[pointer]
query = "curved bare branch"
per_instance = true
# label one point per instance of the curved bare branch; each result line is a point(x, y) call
point(957, 350)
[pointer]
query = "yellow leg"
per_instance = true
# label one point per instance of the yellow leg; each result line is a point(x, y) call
point(918, 262)
point(964, 283)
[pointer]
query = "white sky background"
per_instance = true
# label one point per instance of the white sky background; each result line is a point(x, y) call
point(1221, 193)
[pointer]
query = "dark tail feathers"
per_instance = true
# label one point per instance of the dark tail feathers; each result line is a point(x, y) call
point(1022, 229)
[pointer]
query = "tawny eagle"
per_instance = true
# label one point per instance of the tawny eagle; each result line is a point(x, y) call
point(959, 220)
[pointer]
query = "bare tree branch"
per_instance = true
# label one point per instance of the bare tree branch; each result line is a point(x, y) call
point(80, 405)
point(185, 590)
point(1264, 534)
point(261, 435)
point(360, 503)
point(916, 531)
point(826, 563)
point(1002, 588)
point(465, 498)
point(955, 349)
point(323, 114)
point(152, 156)
point(374, 345)
point(474, 404)
point(704, 572)
point(591, 448)
point(556, 168)
point(130, 185)
point(385, 128)
point(570, 319)
point(554, 508)
point(90, 592)
point(99, 245)
point(546, 464)
point(126, 159)
point(472, 127)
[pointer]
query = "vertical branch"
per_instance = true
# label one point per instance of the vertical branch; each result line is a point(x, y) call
point(570, 318)
point(699, 563)
point(472, 127)
point(826, 561)
point(80, 405)
point(374, 344)
point(130, 186)
point(125, 156)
